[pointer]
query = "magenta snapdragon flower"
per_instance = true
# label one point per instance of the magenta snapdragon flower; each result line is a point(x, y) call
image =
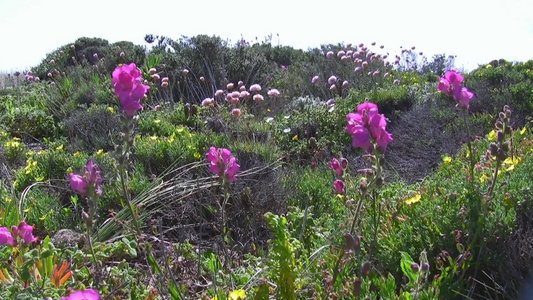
point(450, 84)
point(336, 166)
point(5, 237)
point(128, 85)
point(222, 163)
point(368, 128)
point(339, 186)
point(23, 231)
point(88, 294)
point(92, 179)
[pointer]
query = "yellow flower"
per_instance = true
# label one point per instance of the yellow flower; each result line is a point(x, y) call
point(492, 135)
point(237, 295)
point(59, 148)
point(416, 198)
point(110, 109)
point(446, 159)
point(69, 170)
point(523, 131)
point(268, 109)
point(157, 121)
point(509, 163)
point(295, 138)
point(483, 178)
point(77, 153)
point(180, 129)
point(197, 155)
point(99, 152)
point(488, 66)
point(153, 137)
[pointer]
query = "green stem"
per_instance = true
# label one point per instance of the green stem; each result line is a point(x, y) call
point(470, 152)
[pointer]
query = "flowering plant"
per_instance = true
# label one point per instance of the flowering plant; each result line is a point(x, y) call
point(367, 128)
point(222, 163)
point(127, 83)
point(450, 84)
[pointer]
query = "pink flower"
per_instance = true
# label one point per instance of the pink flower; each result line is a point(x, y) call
point(184, 72)
point(92, 175)
point(244, 94)
point(462, 95)
point(208, 102)
point(367, 128)
point(314, 79)
point(339, 186)
point(454, 78)
point(242, 88)
point(6, 238)
point(396, 81)
point(202, 78)
point(95, 55)
point(90, 182)
point(236, 112)
point(219, 93)
point(25, 232)
point(333, 87)
point(240, 83)
point(341, 54)
point(329, 54)
point(88, 294)
point(357, 69)
point(332, 79)
point(222, 163)
point(345, 83)
point(127, 82)
point(273, 93)
point(364, 64)
point(122, 54)
point(255, 88)
point(229, 86)
point(258, 98)
point(78, 184)
point(283, 67)
point(336, 166)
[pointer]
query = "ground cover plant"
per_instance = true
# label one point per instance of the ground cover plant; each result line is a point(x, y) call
point(203, 170)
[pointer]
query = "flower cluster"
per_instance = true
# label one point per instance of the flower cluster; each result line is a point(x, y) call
point(128, 84)
point(222, 163)
point(88, 183)
point(338, 167)
point(451, 85)
point(367, 127)
point(23, 231)
point(88, 294)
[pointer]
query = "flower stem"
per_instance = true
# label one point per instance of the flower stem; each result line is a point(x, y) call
point(469, 143)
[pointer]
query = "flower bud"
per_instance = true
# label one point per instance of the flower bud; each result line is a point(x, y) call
point(508, 114)
point(424, 267)
point(506, 146)
point(365, 269)
point(356, 287)
point(414, 267)
point(508, 129)
point(501, 116)
point(499, 136)
point(164, 84)
point(344, 163)
point(498, 125)
point(501, 155)
point(363, 185)
point(152, 71)
point(493, 149)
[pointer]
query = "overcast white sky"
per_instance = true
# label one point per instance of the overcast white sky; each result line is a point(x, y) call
point(477, 31)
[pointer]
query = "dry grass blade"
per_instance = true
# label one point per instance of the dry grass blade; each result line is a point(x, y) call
point(162, 195)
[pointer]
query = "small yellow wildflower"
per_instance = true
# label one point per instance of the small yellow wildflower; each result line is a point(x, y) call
point(416, 198)
point(237, 295)
point(100, 152)
point(295, 138)
point(77, 153)
point(509, 163)
point(523, 131)
point(157, 121)
point(180, 129)
point(483, 178)
point(69, 170)
point(488, 66)
point(492, 136)
point(446, 159)
point(110, 109)
point(197, 155)
point(59, 148)
point(153, 137)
